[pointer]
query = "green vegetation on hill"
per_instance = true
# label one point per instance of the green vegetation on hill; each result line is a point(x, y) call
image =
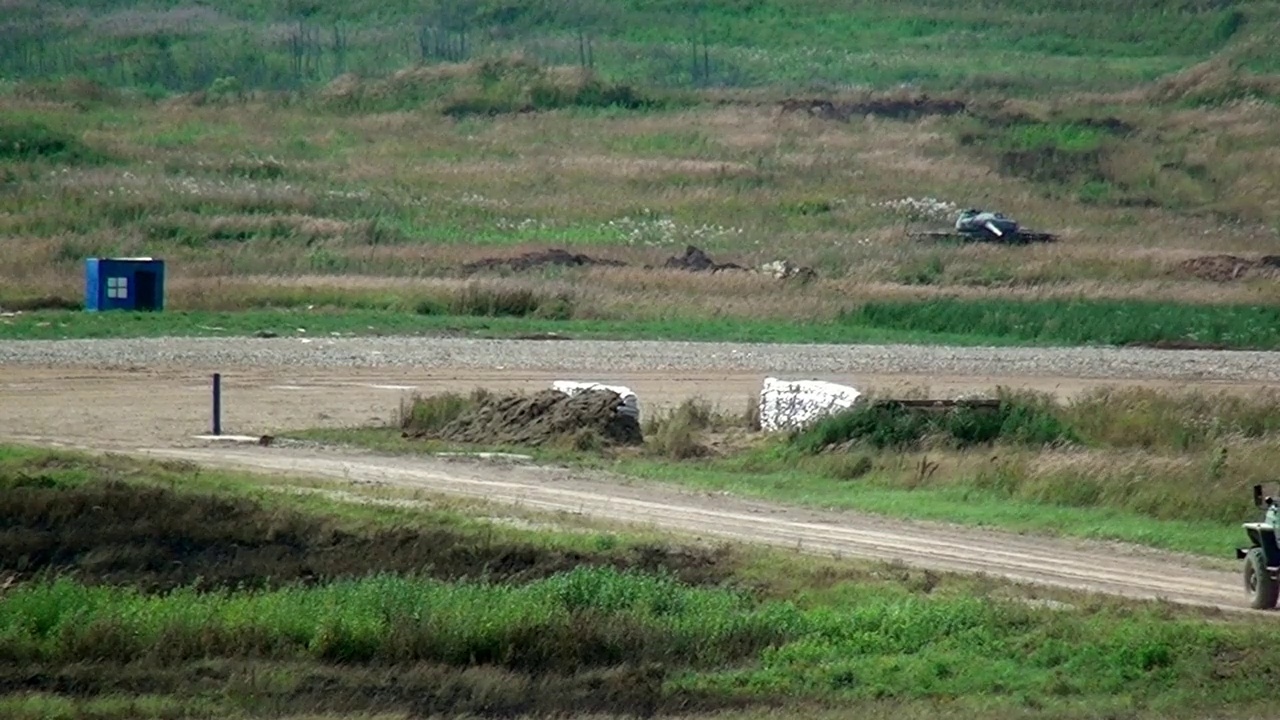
point(432, 171)
point(1072, 322)
point(688, 632)
point(27, 141)
point(951, 321)
point(1003, 45)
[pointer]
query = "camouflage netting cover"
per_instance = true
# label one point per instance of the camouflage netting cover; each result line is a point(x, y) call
point(547, 416)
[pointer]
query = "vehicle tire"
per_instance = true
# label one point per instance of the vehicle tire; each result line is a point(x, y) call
point(1262, 588)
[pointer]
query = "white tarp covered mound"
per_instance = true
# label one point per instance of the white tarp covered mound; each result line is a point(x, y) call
point(788, 404)
point(630, 404)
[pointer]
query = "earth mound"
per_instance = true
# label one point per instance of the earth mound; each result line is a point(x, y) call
point(695, 260)
point(1225, 268)
point(896, 108)
point(542, 418)
point(538, 259)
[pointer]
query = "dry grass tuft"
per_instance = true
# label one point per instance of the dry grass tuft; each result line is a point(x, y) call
point(1219, 79)
point(695, 428)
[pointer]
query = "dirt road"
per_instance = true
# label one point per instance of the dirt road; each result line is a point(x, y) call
point(155, 395)
point(1079, 565)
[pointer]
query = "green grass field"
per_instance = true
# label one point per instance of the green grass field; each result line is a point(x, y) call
point(1003, 45)
point(331, 608)
point(958, 322)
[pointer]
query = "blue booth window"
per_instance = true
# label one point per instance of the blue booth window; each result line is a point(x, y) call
point(118, 288)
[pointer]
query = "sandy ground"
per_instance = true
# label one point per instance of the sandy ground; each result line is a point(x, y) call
point(168, 405)
point(156, 411)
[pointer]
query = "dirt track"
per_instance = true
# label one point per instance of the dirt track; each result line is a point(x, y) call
point(1076, 565)
point(157, 408)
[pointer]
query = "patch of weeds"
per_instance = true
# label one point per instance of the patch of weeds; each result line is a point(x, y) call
point(30, 141)
point(928, 272)
point(429, 413)
point(500, 301)
point(890, 424)
point(256, 169)
point(679, 435)
point(1060, 153)
point(44, 302)
point(505, 85)
point(847, 466)
point(806, 208)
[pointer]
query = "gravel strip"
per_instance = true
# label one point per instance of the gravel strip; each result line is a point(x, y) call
point(638, 356)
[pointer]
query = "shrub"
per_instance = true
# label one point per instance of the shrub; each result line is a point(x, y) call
point(887, 424)
point(505, 301)
point(678, 434)
point(430, 413)
point(31, 141)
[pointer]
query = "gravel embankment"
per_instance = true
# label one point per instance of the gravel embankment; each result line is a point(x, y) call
point(638, 356)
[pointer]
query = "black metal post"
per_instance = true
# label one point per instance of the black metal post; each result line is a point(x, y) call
point(217, 403)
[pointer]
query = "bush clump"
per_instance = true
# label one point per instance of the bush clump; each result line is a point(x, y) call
point(889, 424)
point(29, 141)
point(429, 413)
point(492, 86)
point(500, 300)
point(679, 434)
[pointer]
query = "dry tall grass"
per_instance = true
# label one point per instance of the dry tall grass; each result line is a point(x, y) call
point(243, 198)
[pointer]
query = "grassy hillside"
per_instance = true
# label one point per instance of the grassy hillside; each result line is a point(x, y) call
point(1005, 45)
point(1146, 145)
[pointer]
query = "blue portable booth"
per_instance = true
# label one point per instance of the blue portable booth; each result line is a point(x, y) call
point(124, 284)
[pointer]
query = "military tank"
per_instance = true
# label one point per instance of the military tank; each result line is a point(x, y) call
point(977, 225)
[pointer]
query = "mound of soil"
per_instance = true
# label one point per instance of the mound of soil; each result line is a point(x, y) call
point(539, 259)
point(889, 107)
point(547, 416)
point(1225, 268)
point(695, 260)
point(156, 539)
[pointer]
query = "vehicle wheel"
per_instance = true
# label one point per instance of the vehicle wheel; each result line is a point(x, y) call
point(1262, 588)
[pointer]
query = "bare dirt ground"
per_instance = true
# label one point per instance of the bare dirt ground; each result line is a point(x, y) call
point(169, 404)
point(156, 411)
